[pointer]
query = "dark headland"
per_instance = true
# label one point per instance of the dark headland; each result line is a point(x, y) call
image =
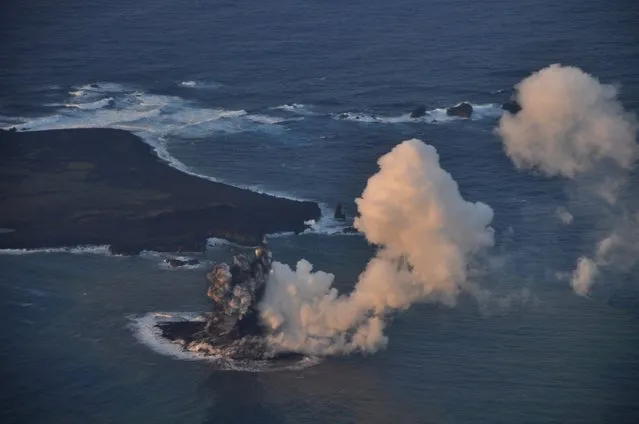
point(104, 186)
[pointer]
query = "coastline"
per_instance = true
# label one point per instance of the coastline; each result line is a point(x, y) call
point(97, 186)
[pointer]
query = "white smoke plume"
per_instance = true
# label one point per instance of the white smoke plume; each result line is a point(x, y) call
point(572, 125)
point(619, 250)
point(564, 215)
point(426, 234)
point(583, 277)
point(569, 123)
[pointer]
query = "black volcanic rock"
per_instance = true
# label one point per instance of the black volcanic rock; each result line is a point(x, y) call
point(462, 110)
point(339, 213)
point(105, 186)
point(511, 106)
point(176, 263)
point(418, 112)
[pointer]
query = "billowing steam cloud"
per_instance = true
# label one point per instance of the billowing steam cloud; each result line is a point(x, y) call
point(571, 125)
point(426, 235)
point(563, 215)
point(568, 124)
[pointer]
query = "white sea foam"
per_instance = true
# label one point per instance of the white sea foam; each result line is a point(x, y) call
point(199, 84)
point(489, 110)
point(265, 119)
point(480, 111)
point(149, 115)
point(76, 250)
point(214, 242)
point(164, 265)
point(98, 104)
point(101, 87)
point(281, 234)
point(145, 330)
point(325, 225)
point(328, 225)
point(395, 119)
point(218, 243)
point(356, 116)
point(297, 108)
point(157, 119)
point(153, 255)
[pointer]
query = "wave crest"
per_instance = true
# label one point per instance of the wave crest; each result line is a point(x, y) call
point(76, 250)
point(480, 111)
point(145, 330)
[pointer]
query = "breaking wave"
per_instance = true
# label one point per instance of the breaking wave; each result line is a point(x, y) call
point(161, 120)
point(437, 115)
point(328, 225)
point(218, 243)
point(199, 84)
point(104, 250)
point(76, 250)
point(153, 116)
point(297, 108)
point(98, 104)
point(489, 110)
point(157, 119)
point(281, 234)
point(162, 257)
point(164, 265)
point(265, 119)
point(146, 332)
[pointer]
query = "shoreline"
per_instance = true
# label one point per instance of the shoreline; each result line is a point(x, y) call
point(98, 186)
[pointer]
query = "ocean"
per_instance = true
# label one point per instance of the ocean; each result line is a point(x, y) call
point(299, 99)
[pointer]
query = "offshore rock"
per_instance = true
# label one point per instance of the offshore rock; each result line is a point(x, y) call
point(462, 110)
point(339, 212)
point(418, 112)
point(511, 106)
point(176, 263)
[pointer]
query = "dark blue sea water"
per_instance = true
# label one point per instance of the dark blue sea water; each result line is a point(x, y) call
point(300, 98)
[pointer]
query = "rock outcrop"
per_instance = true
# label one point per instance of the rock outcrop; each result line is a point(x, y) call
point(177, 263)
point(418, 112)
point(511, 106)
point(339, 213)
point(462, 110)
